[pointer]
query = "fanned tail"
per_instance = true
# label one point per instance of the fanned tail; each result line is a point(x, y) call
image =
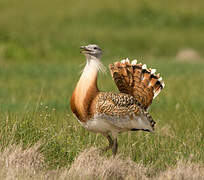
point(137, 80)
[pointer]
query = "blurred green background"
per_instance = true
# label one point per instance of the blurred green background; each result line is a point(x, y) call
point(40, 64)
point(54, 30)
point(42, 39)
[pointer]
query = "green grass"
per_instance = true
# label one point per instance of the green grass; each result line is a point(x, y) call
point(33, 30)
point(35, 106)
point(40, 64)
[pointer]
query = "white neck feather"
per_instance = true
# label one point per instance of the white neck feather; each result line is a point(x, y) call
point(92, 67)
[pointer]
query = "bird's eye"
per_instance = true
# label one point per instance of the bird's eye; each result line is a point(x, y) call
point(95, 48)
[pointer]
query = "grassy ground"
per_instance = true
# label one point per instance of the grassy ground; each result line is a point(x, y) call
point(40, 64)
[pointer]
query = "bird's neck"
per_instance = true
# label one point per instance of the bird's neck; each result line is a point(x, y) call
point(89, 74)
point(86, 89)
point(88, 79)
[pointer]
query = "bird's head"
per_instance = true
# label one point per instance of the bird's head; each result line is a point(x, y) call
point(91, 51)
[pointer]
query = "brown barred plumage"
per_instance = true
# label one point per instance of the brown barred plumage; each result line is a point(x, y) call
point(121, 105)
point(136, 80)
point(108, 112)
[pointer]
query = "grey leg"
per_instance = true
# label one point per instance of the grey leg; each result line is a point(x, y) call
point(110, 143)
point(115, 147)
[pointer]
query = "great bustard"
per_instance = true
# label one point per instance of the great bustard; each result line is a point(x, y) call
point(109, 113)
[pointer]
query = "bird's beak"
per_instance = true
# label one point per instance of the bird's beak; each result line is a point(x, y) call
point(84, 49)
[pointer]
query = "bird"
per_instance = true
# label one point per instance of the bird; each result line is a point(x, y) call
point(111, 113)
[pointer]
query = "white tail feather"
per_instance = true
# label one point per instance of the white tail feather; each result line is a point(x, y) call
point(127, 60)
point(153, 71)
point(123, 61)
point(160, 79)
point(144, 66)
point(162, 83)
point(156, 93)
point(134, 62)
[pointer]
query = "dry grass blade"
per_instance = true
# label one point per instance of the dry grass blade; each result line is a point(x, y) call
point(91, 165)
point(15, 162)
point(184, 171)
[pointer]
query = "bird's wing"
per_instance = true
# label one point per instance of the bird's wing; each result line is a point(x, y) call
point(137, 80)
point(123, 111)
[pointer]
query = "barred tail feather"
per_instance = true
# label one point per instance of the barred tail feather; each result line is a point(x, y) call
point(137, 80)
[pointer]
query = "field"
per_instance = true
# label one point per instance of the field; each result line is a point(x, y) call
point(40, 64)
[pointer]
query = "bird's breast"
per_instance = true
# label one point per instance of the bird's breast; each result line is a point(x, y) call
point(83, 101)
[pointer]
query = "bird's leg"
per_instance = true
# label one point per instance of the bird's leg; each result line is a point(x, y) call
point(110, 143)
point(115, 146)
